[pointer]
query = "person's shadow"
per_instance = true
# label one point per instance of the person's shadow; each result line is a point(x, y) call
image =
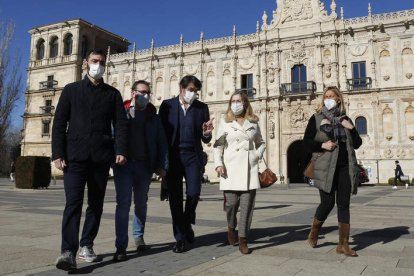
point(385, 235)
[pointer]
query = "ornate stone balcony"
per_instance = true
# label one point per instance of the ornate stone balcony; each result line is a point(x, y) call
point(47, 109)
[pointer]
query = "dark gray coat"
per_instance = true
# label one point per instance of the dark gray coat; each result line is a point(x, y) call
point(326, 163)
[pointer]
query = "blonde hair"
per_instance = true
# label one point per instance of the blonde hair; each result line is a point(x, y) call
point(248, 110)
point(338, 93)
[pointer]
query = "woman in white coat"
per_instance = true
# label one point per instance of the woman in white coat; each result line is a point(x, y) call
point(237, 152)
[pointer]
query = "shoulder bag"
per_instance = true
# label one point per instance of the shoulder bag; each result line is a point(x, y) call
point(267, 177)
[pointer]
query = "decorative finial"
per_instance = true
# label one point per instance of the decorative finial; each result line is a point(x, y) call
point(369, 9)
point(342, 13)
point(234, 30)
point(181, 39)
point(152, 43)
point(257, 26)
point(201, 36)
point(333, 7)
point(264, 18)
point(134, 47)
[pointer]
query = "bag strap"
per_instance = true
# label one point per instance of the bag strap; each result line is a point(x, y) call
point(264, 160)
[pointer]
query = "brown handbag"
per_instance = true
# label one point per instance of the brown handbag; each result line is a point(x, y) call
point(267, 177)
point(309, 170)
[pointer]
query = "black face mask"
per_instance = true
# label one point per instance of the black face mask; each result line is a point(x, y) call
point(141, 101)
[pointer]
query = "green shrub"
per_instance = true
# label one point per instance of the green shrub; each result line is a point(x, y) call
point(399, 183)
point(33, 172)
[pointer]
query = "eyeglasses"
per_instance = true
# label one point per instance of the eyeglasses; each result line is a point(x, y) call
point(143, 92)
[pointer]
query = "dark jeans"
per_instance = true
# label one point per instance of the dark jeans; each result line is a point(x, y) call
point(183, 164)
point(76, 175)
point(395, 179)
point(341, 188)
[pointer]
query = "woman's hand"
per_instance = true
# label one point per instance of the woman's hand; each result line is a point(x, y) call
point(346, 124)
point(329, 145)
point(220, 172)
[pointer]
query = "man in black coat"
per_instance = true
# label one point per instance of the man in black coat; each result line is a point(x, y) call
point(398, 173)
point(186, 123)
point(89, 133)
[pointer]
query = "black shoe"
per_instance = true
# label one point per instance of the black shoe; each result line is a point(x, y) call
point(179, 247)
point(66, 261)
point(189, 236)
point(120, 256)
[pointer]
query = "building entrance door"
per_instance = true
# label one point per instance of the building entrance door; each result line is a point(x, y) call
point(297, 159)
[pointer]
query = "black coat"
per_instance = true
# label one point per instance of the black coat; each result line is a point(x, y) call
point(83, 123)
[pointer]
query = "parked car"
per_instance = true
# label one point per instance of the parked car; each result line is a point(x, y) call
point(363, 174)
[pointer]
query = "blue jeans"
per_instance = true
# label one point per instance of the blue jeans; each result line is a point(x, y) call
point(133, 176)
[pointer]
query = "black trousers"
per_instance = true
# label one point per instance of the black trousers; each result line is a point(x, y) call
point(341, 190)
point(395, 179)
point(76, 176)
point(183, 164)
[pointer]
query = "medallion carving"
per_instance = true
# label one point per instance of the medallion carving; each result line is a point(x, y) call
point(298, 50)
point(358, 50)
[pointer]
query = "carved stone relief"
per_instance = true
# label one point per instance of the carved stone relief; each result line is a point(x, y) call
point(298, 50)
point(298, 118)
point(295, 10)
point(358, 50)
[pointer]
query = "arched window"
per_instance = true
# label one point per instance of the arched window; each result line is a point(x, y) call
point(40, 49)
point(361, 125)
point(84, 46)
point(67, 45)
point(54, 47)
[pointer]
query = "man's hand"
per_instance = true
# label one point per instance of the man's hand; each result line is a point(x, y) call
point(208, 127)
point(161, 172)
point(120, 160)
point(60, 163)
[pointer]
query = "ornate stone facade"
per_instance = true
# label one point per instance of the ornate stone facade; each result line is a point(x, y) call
point(303, 49)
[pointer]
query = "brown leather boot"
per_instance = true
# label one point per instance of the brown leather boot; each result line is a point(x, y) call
point(343, 245)
point(314, 232)
point(232, 236)
point(243, 246)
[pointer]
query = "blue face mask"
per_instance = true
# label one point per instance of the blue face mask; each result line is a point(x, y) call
point(141, 101)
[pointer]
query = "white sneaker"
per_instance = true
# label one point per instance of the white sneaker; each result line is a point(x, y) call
point(87, 254)
point(394, 187)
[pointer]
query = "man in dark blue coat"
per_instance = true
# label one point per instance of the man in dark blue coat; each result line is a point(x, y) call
point(90, 127)
point(186, 123)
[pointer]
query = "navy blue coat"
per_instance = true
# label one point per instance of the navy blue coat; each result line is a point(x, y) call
point(170, 114)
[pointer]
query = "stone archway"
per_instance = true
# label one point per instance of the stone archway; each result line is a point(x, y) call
point(297, 158)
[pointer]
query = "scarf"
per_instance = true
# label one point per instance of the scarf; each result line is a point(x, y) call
point(331, 124)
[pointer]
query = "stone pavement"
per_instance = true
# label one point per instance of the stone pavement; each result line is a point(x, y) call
point(382, 223)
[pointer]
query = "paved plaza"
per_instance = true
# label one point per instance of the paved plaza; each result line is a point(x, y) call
point(382, 223)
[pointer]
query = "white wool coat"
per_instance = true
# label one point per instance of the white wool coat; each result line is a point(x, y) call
point(239, 155)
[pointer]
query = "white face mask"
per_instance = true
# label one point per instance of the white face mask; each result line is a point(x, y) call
point(141, 101)
point(237, 108)
point(96, 71)
point(330, 103)
point(189, 96)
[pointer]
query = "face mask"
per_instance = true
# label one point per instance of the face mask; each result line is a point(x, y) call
point(96, 71)
point(237, 108)
point(189, 96)
point(329, 103)
point(141, 101)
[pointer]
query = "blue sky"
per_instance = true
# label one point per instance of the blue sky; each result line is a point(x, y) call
point(164, 20)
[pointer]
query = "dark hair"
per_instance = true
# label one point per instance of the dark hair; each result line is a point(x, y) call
point(396, 161)
point(96, 52)
point(190, 79)
point(134, 86)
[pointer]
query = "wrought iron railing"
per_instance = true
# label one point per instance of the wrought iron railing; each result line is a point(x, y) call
point(47, 109)
point(359, 84)
point(307, 87)
point(48, 84)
